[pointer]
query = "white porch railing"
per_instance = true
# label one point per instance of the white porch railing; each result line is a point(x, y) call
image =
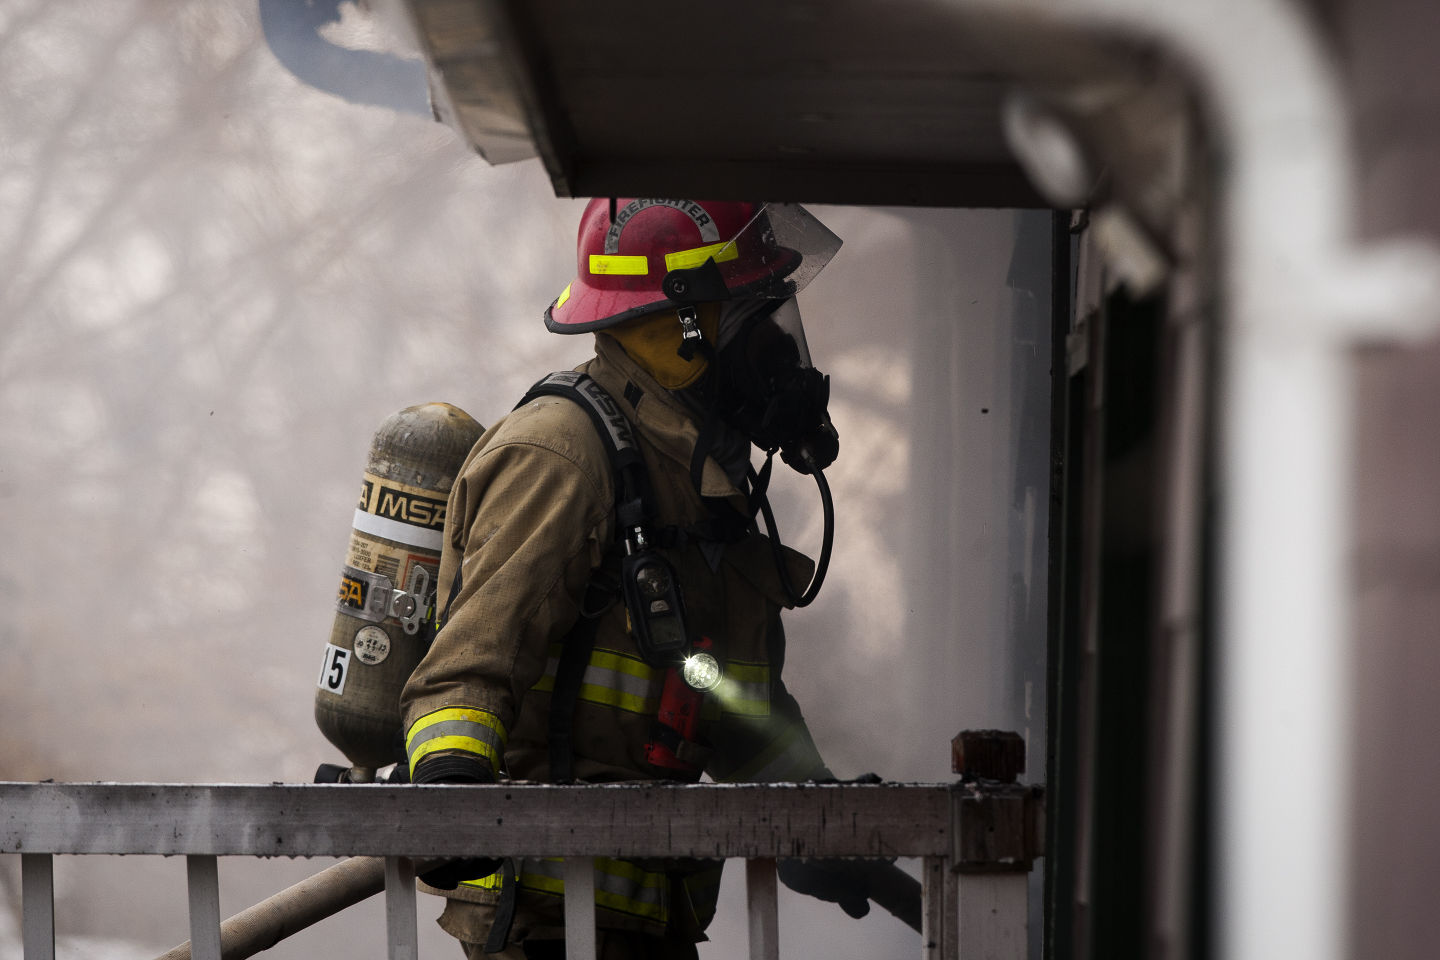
point(977, 842)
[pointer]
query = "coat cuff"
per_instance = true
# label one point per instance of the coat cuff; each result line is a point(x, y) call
point(453, 768)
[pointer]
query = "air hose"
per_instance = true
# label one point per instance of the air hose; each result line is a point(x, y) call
point(823, 564)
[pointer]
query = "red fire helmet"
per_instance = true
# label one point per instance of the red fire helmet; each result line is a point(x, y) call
point(660, 254)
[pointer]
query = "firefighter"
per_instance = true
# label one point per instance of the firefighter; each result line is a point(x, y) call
point(700, 356)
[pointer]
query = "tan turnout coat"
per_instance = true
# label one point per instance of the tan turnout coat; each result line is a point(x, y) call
point(530, 519)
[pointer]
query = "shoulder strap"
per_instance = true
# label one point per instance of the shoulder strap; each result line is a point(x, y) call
point(632, 493)
point(632, 509)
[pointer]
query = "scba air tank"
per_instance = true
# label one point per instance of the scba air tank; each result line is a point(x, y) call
point(384, 611)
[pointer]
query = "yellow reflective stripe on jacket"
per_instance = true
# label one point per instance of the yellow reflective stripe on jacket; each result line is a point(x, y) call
point(456, 728)
point(745, 689)
point(494, 881)
point(620, 886)
point(611, 679)
point(788, 758)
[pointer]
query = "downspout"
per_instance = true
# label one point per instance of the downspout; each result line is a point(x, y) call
point(1297, 293)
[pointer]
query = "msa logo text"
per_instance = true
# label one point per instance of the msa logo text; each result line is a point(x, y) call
point(352, 593)
point(619, 426)
point(395, 504)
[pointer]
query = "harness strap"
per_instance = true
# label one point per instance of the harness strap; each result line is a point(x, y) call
point(632, 488)
point(632, 508)
point(442, 615)
point(632, 496)
point(504, 908)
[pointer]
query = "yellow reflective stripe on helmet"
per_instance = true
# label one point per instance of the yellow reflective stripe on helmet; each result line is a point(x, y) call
point(609, 263)
point(684, 259)
point(620, 886)
point(456, 728)
point(611, 679)
point(564, 295)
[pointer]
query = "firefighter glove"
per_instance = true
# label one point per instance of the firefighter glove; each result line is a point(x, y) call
point(456, 769)
point(846, 882)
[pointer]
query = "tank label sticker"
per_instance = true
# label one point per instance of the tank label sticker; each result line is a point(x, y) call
point(333, 669)
point(402, 503)
point(363, 594)
point(372, 645)
point(398, 532)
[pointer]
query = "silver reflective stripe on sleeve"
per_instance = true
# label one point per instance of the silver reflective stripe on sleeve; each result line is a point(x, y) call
point(467, 729)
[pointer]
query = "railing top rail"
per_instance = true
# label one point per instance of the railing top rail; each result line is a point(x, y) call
point(620, 820)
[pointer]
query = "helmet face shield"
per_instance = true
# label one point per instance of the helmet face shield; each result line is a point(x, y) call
point(770, 391)
point(658, 255)
point(786, 319)
point(773, 257)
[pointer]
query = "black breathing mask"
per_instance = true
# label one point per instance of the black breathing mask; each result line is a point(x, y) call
point(768, 389)
point(765, 386)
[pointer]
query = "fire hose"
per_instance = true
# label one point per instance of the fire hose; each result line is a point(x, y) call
point(296, 907)
point(350, 881)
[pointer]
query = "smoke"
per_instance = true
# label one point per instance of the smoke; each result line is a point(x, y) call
point(216, 281)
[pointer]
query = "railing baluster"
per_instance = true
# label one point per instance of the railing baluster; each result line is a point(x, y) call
point(37, 893)
point(994, 909)
point(760, 901)
point(580, 937)
point(400, 920)
point(195, 820)
point(203, 880)
point(939, 937)
point(953, 947)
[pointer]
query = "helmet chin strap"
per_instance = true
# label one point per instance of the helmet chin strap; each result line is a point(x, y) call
point(691, 342)
point(691, 339)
